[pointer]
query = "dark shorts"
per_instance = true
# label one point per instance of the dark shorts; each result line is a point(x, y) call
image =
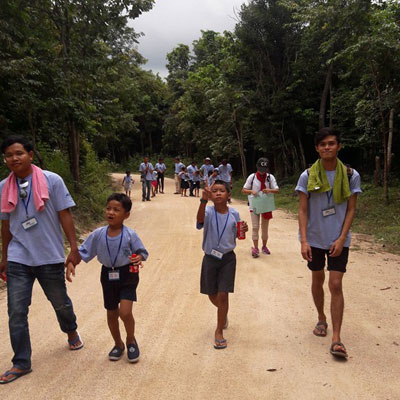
point(115, 291)
point(184, 184)
point(334, 263)
point(218, 275)
point(196, 185)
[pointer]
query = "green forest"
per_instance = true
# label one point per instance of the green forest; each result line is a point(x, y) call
point(72, 79)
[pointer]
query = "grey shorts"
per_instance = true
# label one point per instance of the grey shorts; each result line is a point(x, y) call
point(218, 275)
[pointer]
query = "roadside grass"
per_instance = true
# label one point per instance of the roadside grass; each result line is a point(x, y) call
point(373, 216)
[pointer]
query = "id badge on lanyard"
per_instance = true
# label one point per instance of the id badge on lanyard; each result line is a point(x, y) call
point(114, 275)
point(330, 210)
point(215, 252)
point(29, 222)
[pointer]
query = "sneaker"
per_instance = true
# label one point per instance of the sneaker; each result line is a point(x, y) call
point(133, 352)
point(265, 250)
point(116, 353)
point(255, 252)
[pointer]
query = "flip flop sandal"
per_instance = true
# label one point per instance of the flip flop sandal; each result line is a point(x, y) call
point(220, 344)
point(322, 328)
point(75, 341)
point(16, 375)
point(338, 353)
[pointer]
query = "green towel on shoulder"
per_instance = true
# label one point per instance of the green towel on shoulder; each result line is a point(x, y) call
point(318, 181)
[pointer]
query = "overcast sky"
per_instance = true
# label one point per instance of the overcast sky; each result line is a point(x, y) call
point(172, 22)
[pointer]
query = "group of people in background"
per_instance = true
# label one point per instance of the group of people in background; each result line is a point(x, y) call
point(190, 177)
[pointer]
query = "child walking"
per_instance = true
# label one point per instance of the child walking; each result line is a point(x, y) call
point(154, 183)
point(183, 175)
point(121, 252)
point(219, 263)
point(127, 183)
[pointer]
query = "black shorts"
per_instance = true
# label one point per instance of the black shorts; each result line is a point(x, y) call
point(196, 184)
point(218, 275)
point(334, 263)
point(184, 184)
point(115, 291)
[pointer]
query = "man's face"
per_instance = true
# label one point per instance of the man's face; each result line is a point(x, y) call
point(328, 148)
point(146, 160)
point(18, 160)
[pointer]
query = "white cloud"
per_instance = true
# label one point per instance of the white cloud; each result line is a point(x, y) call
point(171, 22)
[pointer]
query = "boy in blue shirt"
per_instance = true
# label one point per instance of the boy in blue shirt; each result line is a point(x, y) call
point(219, 262)
point(114, 246)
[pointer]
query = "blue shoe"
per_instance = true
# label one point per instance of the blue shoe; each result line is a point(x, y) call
point(116, 353)
point(133, 352)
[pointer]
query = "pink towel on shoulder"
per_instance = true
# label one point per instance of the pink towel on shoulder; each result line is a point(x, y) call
point(40, 191)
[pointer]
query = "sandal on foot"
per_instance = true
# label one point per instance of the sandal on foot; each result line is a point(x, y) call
point(338, 353)
point(116, 353)
point(320, 329)
point(15, 374)
point(220, 344)
point(74, 341)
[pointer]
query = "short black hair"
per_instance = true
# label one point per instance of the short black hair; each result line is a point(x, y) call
point(226, 184)
point(10, 140)
point(323, 133)
point(121, 198)
point(128, 172)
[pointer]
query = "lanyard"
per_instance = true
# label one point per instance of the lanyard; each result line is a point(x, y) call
point(223, 230)
point(329, 196)
point(119, 247)
point(23, 200)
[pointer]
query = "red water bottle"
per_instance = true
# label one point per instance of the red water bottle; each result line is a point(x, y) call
point(134, 268)
point(241, 234)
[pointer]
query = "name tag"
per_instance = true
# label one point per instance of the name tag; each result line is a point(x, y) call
point(328, 211)
point(113, 276)
point(29, 223)
point(217, 254)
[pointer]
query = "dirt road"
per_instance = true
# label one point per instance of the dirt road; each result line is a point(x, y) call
point(271, 352)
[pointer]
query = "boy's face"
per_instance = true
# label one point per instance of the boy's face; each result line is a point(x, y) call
point(328, 148)
point(18, 160)
point(219, 194)
point(146, 160)
point(115, 213)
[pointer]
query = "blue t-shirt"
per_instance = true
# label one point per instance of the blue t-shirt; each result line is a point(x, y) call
point(191, 170)
point(178, 167)
point(128, 180)
point(161, 167)
point(225, 172)
point(227, 237)
point(205, 169)
point(149, 171)
point(43, 243)
point(196, 177)
point(323, 231)
point(96, 245)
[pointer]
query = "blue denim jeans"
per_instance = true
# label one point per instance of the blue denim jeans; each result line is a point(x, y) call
point(20, 280)
point(146, 189)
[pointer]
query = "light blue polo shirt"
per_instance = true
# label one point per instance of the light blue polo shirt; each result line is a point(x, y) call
point(205, 169)
point(191, 170)
point(43, 243)
point(148, 173)
point(227, 237)
point(178, 167)
point(96, 245)
point(161, 167)
point(323, 231)
point(225, 172)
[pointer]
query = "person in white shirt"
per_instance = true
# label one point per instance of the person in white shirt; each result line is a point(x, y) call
point(178, 169)
point(261, 181)
point(160, 168)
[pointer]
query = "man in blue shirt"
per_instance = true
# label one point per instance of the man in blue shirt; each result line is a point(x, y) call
point(146, 176)
point(327, 205)
point(160, 168)
point(191, 169)
point(33, 248)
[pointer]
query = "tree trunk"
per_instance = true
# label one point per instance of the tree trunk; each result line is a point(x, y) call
point(390, 140)
point(330, 106)
point(303, 164)
point(239, 136)
point(74, 152)
point(377, 172)
point(33, 133)
point(324, 96)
